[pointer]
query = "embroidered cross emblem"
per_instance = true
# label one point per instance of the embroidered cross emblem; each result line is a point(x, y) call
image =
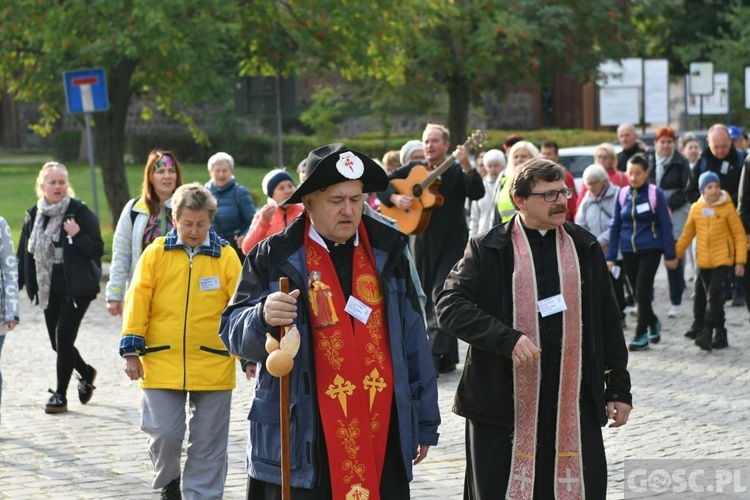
point(340, 389)
point(568, 480)
point(349, 164)
point(358, 493)
point(524, 478)
point(374, 383)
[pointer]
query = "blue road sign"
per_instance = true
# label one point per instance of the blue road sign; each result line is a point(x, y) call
point(86, 90)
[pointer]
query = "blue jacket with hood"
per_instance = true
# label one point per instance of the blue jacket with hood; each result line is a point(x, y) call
point(243, 332)
point(641, 223)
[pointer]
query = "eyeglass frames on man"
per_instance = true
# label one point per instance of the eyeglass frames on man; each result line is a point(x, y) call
point(552, 196)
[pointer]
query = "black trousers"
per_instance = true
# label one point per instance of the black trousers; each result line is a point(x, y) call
point(713, 282)
point(63, 318)
point(640, 269)
point(489, 450)
point(746, 284)
point(393, 482)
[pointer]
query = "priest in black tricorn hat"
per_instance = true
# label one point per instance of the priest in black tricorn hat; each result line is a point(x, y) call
point(363, 391)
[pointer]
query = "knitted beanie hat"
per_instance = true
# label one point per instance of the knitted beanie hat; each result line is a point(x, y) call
point(272, 179)
point(706, 178)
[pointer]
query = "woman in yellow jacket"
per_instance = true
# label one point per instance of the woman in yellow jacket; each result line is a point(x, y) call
point(721, 245)
point(170, 341)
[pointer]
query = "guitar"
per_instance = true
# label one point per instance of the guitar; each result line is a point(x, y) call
point(422, 185)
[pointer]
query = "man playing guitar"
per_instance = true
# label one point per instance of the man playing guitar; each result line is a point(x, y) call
point(442, 243)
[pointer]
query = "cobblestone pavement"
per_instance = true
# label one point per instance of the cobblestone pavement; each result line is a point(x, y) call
point(688, 405)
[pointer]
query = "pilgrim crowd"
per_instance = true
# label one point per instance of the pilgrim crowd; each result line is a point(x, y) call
point(500, 248)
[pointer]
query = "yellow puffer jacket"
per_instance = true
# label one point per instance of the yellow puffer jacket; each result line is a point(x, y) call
point(720, 234)
point(172, 312)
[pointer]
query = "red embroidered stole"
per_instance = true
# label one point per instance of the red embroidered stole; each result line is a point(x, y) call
point(354, 370)
point(526, 380)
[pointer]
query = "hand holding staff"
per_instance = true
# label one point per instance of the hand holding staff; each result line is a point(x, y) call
point(279, 363)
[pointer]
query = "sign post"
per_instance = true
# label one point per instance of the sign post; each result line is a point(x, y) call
point(701, 82)
point(86, 92)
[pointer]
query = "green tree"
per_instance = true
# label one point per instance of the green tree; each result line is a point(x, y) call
point(360, 40)
point(468, 47)
point(426, 47)
point(173, 53)
point(683, 31)
point(680, 30)
point(331, 43)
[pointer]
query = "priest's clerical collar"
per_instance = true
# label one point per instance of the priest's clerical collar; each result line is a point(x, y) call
point(530, 230)
point(327, 244)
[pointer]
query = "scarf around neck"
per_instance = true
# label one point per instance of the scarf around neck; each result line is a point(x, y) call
point(661, 163)
point(42, 243)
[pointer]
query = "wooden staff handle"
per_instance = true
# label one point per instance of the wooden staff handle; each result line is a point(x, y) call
point(286, 465)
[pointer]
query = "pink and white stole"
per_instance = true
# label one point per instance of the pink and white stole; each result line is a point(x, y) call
point(526, 379)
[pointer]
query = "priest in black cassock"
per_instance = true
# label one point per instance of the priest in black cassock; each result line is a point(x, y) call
point(547, 361)
point(441, 244)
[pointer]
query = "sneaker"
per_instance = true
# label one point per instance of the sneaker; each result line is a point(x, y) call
point(633, 311)
point(674, 311)
point(172, 490)
point(738, 301)
point(86, 386)
point(654, 332)
point(639, 342)
point(56, 403)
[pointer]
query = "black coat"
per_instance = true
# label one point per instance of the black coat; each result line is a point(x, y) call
point(476, 305)
point(624, 155)
point(674, 180)
point(729, 177)
point(81, 260)
point(743, 197)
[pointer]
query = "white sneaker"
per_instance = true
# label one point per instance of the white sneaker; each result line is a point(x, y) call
point(674, 311)
point(633, 311)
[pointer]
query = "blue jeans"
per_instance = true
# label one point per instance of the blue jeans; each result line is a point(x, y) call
point(676, 279)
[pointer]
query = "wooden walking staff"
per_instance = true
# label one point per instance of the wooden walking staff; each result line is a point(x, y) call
point(279, 363)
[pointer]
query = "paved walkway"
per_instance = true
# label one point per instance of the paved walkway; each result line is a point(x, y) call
point(688, 405)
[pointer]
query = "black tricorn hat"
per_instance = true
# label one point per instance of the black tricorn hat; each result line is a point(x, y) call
point(334, 163)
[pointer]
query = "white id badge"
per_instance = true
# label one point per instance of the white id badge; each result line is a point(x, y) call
point(210, 283)
point(724, 167)
point(358, 309)
point(708, 212)
point(552, 305)
point(643, 207)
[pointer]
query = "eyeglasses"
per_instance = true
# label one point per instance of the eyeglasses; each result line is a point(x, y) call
point(552, 196)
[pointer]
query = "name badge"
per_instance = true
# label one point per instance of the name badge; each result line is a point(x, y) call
point(708, 212)
point(724, 167)
point(211, 283)
point(643, 207)
point(358, 309)
point(552, 305)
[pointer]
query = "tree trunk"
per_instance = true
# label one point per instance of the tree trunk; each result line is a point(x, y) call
point(458, 110)
point(109, 138)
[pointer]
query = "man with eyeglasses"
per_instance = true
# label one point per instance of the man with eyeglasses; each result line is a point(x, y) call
point(534, 301)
